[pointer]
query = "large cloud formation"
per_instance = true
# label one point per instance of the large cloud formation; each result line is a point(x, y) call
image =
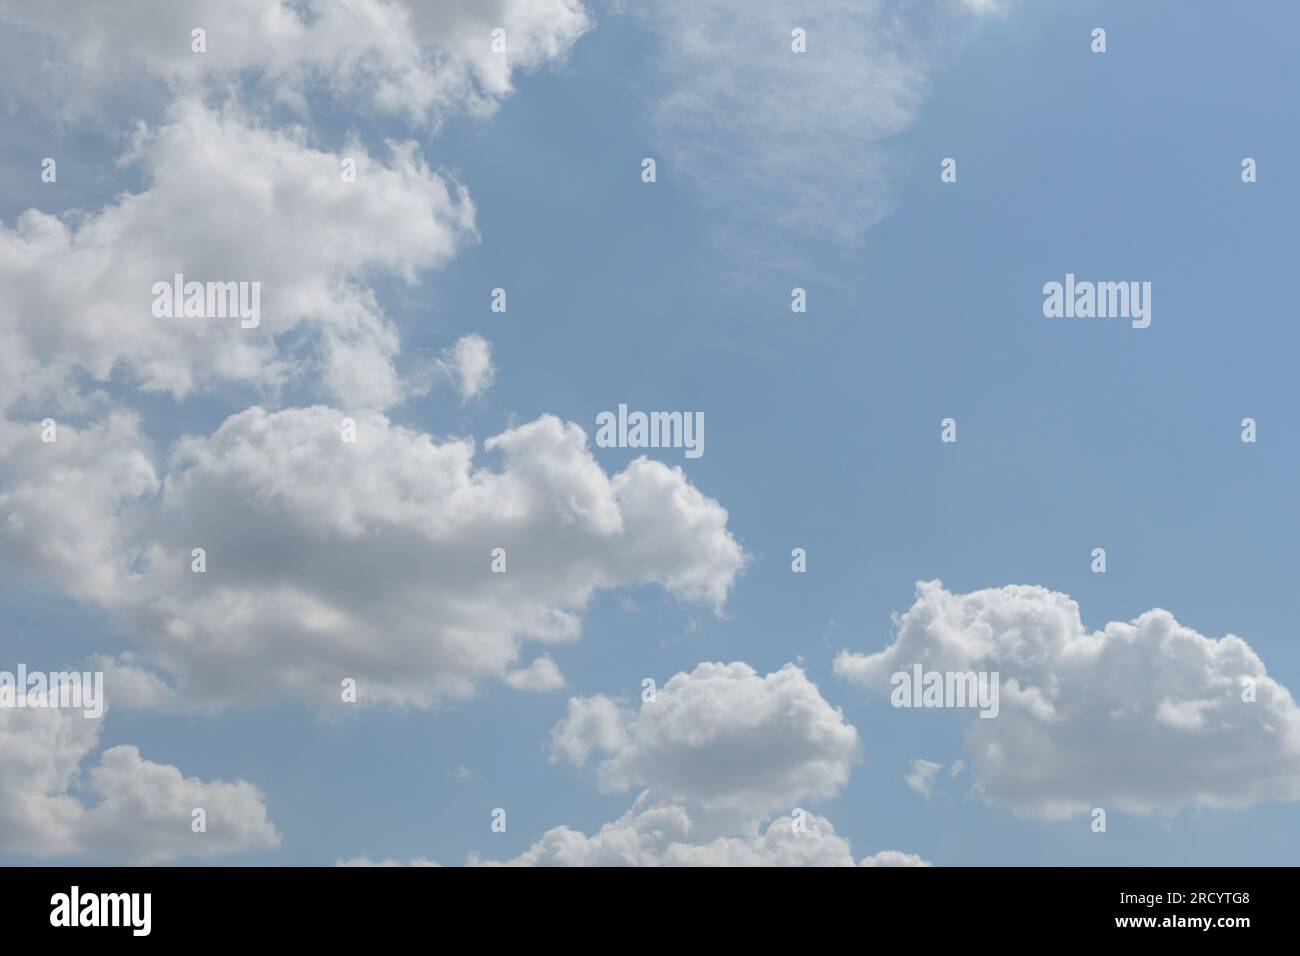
point(143, 809)
point(327, 559)
point(230, 198)
point(1143, 716)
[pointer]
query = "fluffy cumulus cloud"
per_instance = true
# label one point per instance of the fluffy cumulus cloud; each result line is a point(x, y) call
point(328, 559)
point(227, 202)
point(366, 861)
point(724, 755)
point(662, 835)
point(721, 736)
point(1142, 716)
point(230, 198)
point(417, 58)
point(140, 811)
point(796, 140)
point(541, 674)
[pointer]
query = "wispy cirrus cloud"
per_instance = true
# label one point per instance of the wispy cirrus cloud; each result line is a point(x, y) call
point(795, 142)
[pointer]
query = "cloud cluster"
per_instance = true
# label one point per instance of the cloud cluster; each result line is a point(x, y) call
point(725, 755)
point(366, 861)
point(231, 197)
point(228, 202)
point(223, 192)
point(417, 59)
point(327, 559)
point(141, 811)
point(1143, 716)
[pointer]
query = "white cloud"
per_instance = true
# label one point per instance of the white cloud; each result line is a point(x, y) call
point(227, 202)
point(140, 813)
point(59, 517)
point(984, 6)
point(893, 858)
point(794, 141)
point(541, 674)
point(469, 365)
point(537, 32)
point(720, 748)
point(1142, 716)
point(662, 835)
point(328, 560)
point(721, 736)
point(725, 754)
point(365, 861)
point(420, 58)
point(921, 779)
point(231, 200)
point(591, 725)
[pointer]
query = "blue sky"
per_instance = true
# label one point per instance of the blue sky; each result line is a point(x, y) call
point(822, 428)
